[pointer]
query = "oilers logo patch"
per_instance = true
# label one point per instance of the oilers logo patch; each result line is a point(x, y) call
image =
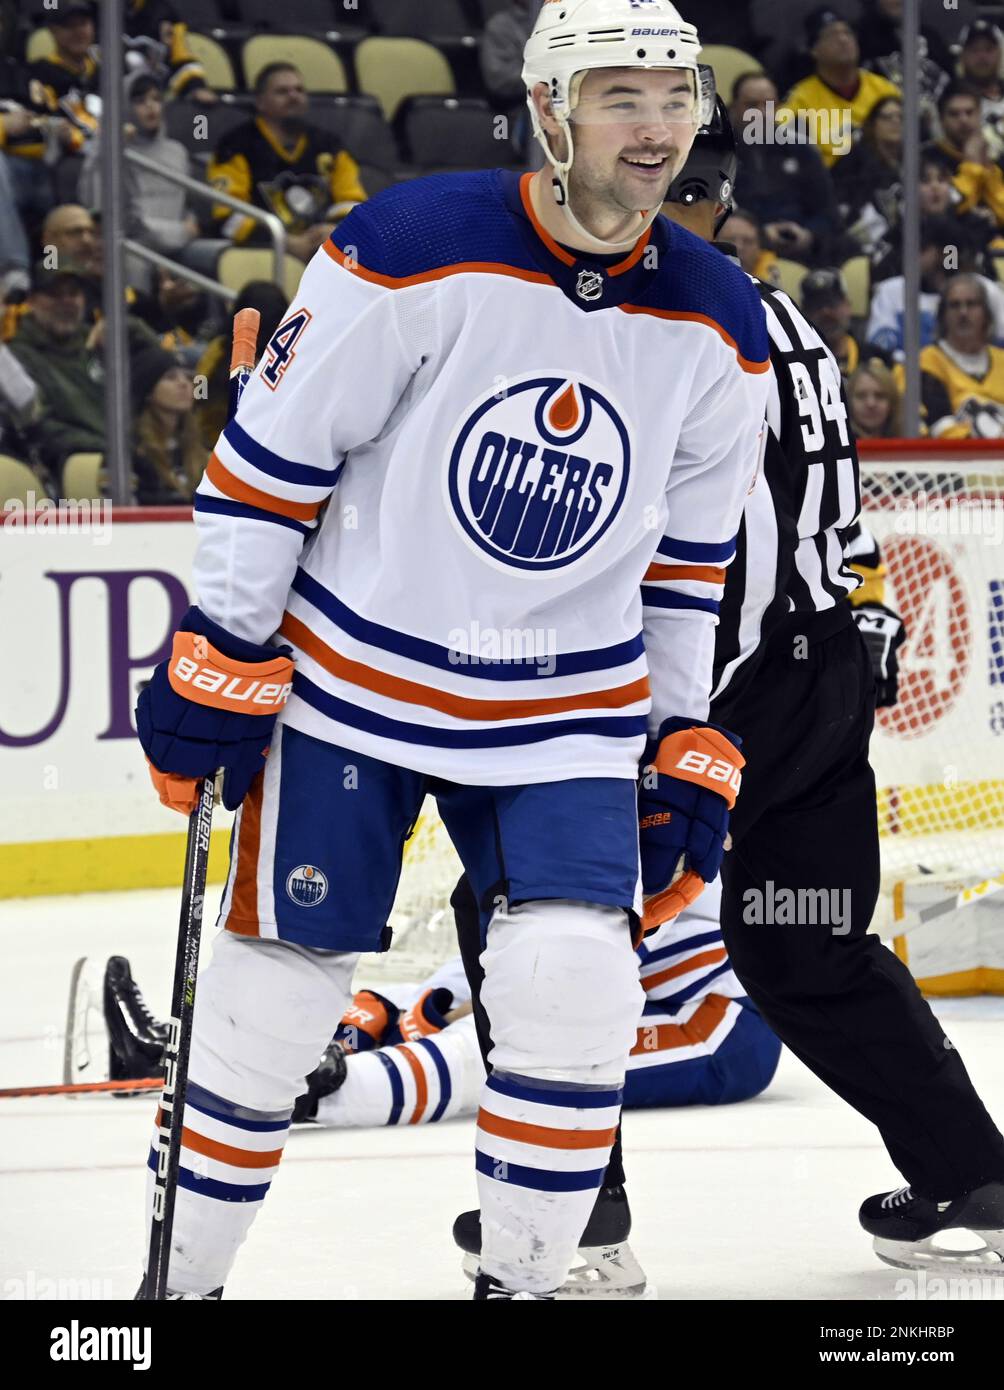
point(538, 473)
point(307, 886)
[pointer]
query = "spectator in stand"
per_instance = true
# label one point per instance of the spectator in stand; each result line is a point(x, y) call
point(56, 348)
point(155, 39)
point(939, 241)
point(283, 164)
point(827, 306)
point(964, 154)
point(169, 458)
point(962, 374)
point(156, 210)
point(980, 64)
point(880, 36)
point(213, 368)
point(15, 256)
point(868, 182)
point(874, 401)
point(839, 83)
point(70, 82)
point(939, 198)
point(179, 314)
point(501, 56)
point(742, 230)
point(785, 185)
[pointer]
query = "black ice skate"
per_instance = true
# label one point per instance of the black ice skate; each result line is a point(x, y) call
point(136, 1039)
point(323, 1081)
point(606, 1267)
point(213, 1296)
point(489, 1290)
point(911, 1232)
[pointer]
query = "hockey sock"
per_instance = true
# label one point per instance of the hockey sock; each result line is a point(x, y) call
point(542, 1150)
point(419, 1082)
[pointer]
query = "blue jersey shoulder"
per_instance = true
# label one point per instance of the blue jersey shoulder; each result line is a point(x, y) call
point(428, 223)
point(697, 279)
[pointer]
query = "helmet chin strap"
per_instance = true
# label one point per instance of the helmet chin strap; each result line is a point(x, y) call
point(559, 183)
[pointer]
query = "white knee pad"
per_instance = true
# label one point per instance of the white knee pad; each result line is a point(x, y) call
point(562, 991)
point(264, 1013)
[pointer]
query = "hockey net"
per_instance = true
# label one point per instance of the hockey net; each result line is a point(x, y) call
point(937, 512)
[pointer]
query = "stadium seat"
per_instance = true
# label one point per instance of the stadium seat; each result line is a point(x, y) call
point(359, 124)
point(431, 19)
point(304, 17)
point(790, 275)
point(215, 61)
point(199, 14)
point(18, 483)
point(239, 264)
point(82, 476)
point(322, 69)
point(392, 69)
point(728, 64)
point(857, 273)
point(444, 132)
point(182, 120)
point(39, 45)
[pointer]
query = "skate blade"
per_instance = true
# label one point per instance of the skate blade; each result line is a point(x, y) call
point(85, 1044)
point(604, 1273)
point(925, 1254)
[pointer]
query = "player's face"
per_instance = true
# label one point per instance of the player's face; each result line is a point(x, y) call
point(632, 131)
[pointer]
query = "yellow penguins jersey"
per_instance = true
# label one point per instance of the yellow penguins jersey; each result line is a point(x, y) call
point(54, 90)
point(833, 138)
point(487, 487)
point(153, 32)
point(299, 185)
point(947, 389)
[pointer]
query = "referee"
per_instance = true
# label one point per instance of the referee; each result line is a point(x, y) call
point(795, 680)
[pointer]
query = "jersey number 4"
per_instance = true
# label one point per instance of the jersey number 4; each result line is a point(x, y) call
point(281, 347)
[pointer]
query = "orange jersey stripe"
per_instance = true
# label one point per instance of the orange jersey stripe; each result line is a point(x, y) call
point(460, 706)
point(221, 477)
point(421, 1085)
point(558, 251)
point(543, 1136)
point(243, 915)
point(392, 282)
point(663, 1037)
point(226, 1153)
point(713, 957)
point(757, 368)
point(707, 574)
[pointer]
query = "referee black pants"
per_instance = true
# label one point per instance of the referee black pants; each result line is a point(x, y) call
point(805, 821)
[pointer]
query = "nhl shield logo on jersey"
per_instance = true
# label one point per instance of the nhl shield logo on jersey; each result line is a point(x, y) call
point(538, 473)
point(307, 886)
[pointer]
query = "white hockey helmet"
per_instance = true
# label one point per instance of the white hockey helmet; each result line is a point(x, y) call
point(572, 37)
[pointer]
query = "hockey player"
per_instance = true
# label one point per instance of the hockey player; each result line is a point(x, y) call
point(497, 405)
point(794, 678)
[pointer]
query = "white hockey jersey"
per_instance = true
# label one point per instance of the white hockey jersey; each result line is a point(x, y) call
point(486, 488)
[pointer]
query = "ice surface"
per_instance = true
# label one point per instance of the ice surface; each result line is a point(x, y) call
point(756, 1200)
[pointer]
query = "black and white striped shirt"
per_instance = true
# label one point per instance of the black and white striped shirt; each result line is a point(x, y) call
point(790, 554)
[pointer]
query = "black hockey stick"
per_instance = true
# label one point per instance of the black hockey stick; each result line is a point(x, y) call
point(171, 1117)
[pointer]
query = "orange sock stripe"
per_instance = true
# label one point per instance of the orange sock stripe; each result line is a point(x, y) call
point(707, 574)
point(543, 1136)
point(243, 915)
point(228, 483)
point(663, 1037)
point(460, 706)
point(713, 957)
point(226, 1153)
point(421, 1086)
